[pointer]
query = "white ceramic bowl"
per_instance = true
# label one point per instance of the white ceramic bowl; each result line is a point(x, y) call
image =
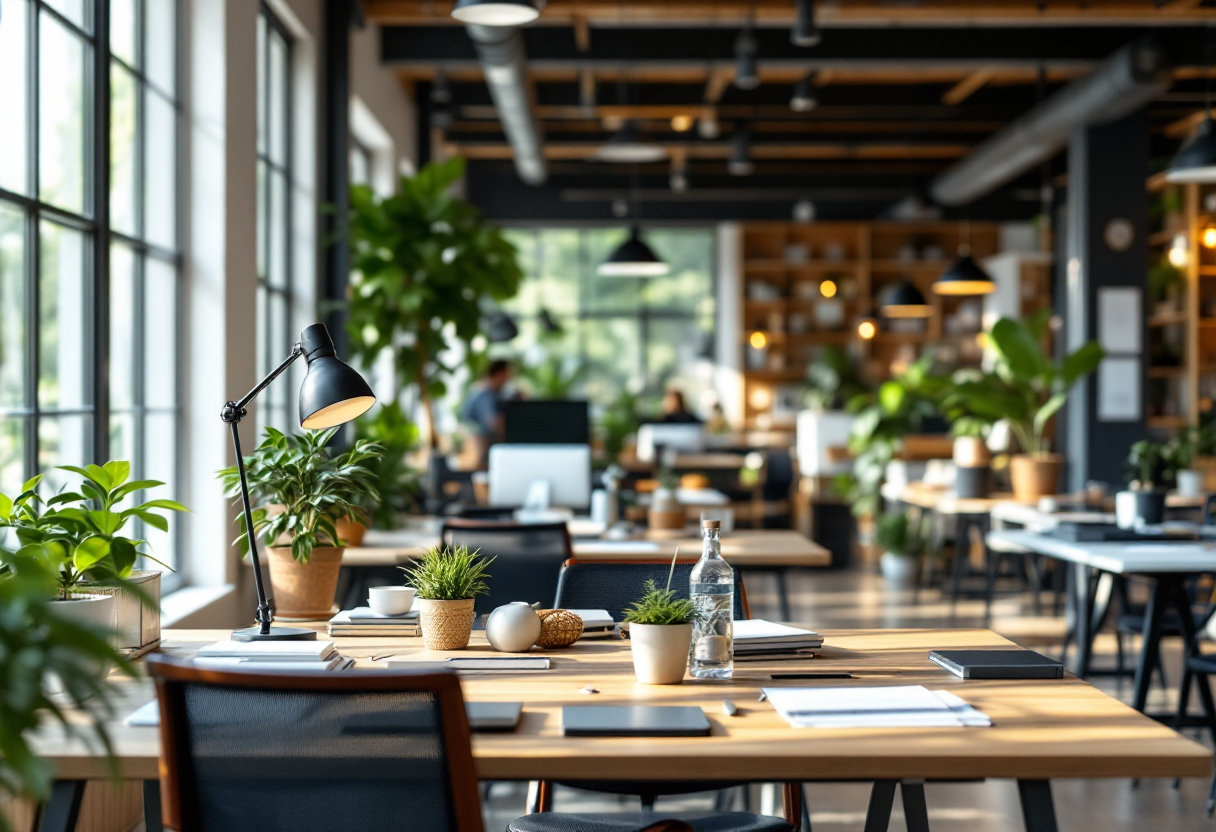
point(390, 600)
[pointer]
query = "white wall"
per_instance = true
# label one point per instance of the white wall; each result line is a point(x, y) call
point(381, 91)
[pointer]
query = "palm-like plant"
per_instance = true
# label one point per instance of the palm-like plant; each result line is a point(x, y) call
point(313, 488)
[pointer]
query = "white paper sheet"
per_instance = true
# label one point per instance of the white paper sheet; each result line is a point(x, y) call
point(901, 706)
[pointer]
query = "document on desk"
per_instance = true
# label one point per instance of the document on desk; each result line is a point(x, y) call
point(901, 706)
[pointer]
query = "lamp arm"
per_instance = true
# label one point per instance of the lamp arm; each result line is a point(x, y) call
point(296, 352)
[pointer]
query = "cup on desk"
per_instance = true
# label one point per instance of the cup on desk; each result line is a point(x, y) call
point(390, 600)
point(1125, 509)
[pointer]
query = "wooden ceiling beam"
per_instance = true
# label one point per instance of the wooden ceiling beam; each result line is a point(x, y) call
point(595, 124)
point(586, 151)
point(967, 87)
point(924, 115)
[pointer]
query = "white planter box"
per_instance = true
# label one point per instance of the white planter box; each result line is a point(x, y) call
point(137, 621)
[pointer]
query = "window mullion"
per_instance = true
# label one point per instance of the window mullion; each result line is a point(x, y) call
point(99, 177)
point(33, 247)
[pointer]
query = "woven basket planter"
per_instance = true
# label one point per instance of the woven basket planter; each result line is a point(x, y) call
point(304, 591)
point(446, 625)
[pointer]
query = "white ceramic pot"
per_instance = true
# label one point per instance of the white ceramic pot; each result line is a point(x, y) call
point(660, 652)
point(898, 570)
point(136, 611)
point(1125, 509)
point(95, 613)
point(1190, 483)
point(513, 628)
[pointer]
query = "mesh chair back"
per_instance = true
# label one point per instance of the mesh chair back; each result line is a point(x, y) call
point(528, 558)
point(341, 752)
point(616, 585)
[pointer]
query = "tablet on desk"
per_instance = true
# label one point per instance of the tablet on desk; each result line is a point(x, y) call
point(493, 716)
point(634, 721)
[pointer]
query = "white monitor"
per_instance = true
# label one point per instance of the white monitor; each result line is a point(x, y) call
point(554, 475)
point(682, 437)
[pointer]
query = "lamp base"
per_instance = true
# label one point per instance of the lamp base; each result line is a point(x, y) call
point(276, 634)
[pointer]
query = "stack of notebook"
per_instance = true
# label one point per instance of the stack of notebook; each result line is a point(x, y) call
point(275, 656)
point(757, 640)
point(596, 623)
point(361, 621)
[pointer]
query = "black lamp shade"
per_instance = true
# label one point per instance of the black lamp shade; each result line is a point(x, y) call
point(964, 277)
point(500, 328)
point(747, 76)
point(333, 393)
point(805, 32)
point(740, 162)
point(804, 98)
point(906, 301)
point(633, 258)
point(629, 147)
point(495, 12)
point(1196, 160)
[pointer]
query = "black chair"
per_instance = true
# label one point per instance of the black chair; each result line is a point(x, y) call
point(616, 585)
point(528, 558)
point(1199, 667)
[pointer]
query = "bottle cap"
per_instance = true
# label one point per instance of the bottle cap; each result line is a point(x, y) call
point(711, 524)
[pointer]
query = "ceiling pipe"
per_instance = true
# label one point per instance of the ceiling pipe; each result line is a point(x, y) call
point(1122, 84)
point(505, 66)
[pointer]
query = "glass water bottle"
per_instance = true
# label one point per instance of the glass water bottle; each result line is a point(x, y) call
point(713, 594)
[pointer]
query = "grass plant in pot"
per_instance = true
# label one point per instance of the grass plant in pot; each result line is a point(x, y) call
point(1144, 502)
point(894, 534)
point(310, 489)
point(447, 581)
point(660, 633)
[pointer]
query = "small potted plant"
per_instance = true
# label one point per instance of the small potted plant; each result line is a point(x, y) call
point(660, 633)
point(1181, 452)
point(447, 581)
point(1144, 502)
point(665, 509)
point(898, 560)
point(304, 491)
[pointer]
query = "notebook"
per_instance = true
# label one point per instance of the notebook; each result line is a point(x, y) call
point(997, 664)
point(365, 615)
point(504, 664)
point(756, 635)
point(334, 662)
point(269, 651)
point(483, 716)
point(897, 706)
point(596, 623)
point(634, 721)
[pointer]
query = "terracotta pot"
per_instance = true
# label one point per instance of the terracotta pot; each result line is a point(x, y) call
point(666, 519)
point(1035, 477)
point(971, 452)
point(304, 591)
point(350, 532)
point(446, 625)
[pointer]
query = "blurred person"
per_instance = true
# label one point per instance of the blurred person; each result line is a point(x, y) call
point(483, 409)
point(675, 411)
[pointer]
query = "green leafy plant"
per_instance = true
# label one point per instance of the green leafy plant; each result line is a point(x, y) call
point(661, 606)
point(312, 488)
point(835, 378)
point(1162, 276)
point(1025, 388)
point(75, 535)
point(1150, 464)
point(399, 482)
point(35, 641)
point(423, 261)
point(618, 422)
point(893, 533)
point(449, 574)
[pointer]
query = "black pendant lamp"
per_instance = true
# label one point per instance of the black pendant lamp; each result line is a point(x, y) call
point(1196, 160)
point(500, 328)
point(495, 12)
point(964, 277)
point(629, 147)
point(740, 162)
point(804, 98)
point(747, 76)
point(805, 32)
point(905, 301)
point(633, 258)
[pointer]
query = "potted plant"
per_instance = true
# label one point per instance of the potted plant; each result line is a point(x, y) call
point(834, 379)
point(447, 581)
point(304, 491)
point(1181, 452)
point(76, 536)
point(1027, 389)
point(1150, 466)
point(665, 509)
point(660, 633)
point(898, 561)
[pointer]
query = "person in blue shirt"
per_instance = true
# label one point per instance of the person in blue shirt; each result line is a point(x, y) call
point(483, 409)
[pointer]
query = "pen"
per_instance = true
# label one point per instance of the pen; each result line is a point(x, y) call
point(780, 676)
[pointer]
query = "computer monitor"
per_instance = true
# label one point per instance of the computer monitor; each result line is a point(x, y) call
point(683, 437)
point(546, 422)
point(520, 471)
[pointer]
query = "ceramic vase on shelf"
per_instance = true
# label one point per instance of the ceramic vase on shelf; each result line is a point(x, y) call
point(1190, 483)
point(446, 625)
point(513, 628)
point(660, 652)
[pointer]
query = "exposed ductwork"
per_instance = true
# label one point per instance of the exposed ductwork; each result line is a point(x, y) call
point(1122, 84)
point(504, 63)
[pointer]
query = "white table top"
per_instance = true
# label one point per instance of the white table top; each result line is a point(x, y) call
point(1121, 558)
point(1010, 511)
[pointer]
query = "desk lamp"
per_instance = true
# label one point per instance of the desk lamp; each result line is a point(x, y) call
point(332, 394)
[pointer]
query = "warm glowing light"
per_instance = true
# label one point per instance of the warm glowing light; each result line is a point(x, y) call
point(1209, 237)
point(681, 123)
point(981, 338)
point(758, 340)
point(760, 398)
point(828, 288)
point(1178, 254)
point(867, 330)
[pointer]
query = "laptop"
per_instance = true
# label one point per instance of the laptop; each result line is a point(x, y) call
point(634, 721)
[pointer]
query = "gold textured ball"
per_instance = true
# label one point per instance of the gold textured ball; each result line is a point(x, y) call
point(558, 628)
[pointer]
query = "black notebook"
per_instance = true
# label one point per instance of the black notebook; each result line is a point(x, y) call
point(634, 721)
point(998, 664)
point(493, 716)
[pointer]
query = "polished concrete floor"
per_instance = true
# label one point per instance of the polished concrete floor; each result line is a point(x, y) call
point(824, 600)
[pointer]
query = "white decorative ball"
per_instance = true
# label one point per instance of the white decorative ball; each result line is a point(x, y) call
point(513, 628)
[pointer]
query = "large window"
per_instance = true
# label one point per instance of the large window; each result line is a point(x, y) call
point(625, 332)
point(89, 268)
point(275, 337)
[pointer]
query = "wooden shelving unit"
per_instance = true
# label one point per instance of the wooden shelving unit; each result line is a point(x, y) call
point(792, 315)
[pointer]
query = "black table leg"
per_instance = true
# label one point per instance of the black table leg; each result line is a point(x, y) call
point(916, 811)
point(152, 812)
point(1151, 639)
point(783, 595)
point(1084, 618)
point(882, 797)
point(806, 809)
point(63, 808)
point(1037, 808)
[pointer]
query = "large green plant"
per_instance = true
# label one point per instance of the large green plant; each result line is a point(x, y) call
point(75, 535)
point(894, 533)
point(1026, 388)
point(835, 378)
point(35, 641)
point(616, 424)
point(399, 482)
point(310, 488)
point(423, 261)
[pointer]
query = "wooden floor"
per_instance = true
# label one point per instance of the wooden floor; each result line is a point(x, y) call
point(853, 599)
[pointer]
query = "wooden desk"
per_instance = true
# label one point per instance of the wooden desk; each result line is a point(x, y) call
point(1042, 730)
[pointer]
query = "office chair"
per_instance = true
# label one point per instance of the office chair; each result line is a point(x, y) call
point(616, 585)
point(528, 558)
point(1199, 667)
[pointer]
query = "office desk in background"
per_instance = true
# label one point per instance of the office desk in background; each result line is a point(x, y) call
point(1041, 729)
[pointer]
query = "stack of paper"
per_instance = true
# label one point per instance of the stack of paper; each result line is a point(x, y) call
point(275, 656)
point(759, 640)
point(596, 623)
point(361, 621)
point(906, 706)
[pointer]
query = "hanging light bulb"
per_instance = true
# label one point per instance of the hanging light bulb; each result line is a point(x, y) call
point(828, 288)
point(633, 258)
point(1179, 255)
point(740, 163)
point(805, 32)
point(805, 97)
point(1196, 160)
point(906, 301)
point(867, 329)
point(629, 147)
point(964, 277)
point(495, 12)
point(747, 77)
point(678, 178)
point(1209, 237)
point(681, 122)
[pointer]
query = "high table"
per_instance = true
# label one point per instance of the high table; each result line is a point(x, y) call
point(1041, 729)
point(1167, 564)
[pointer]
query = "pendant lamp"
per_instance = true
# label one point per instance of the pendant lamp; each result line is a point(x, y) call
point(633, 258)
point(906, 301)
point(1196, 160)
point(495, 12)
point(964, 277)
point(629, 147)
